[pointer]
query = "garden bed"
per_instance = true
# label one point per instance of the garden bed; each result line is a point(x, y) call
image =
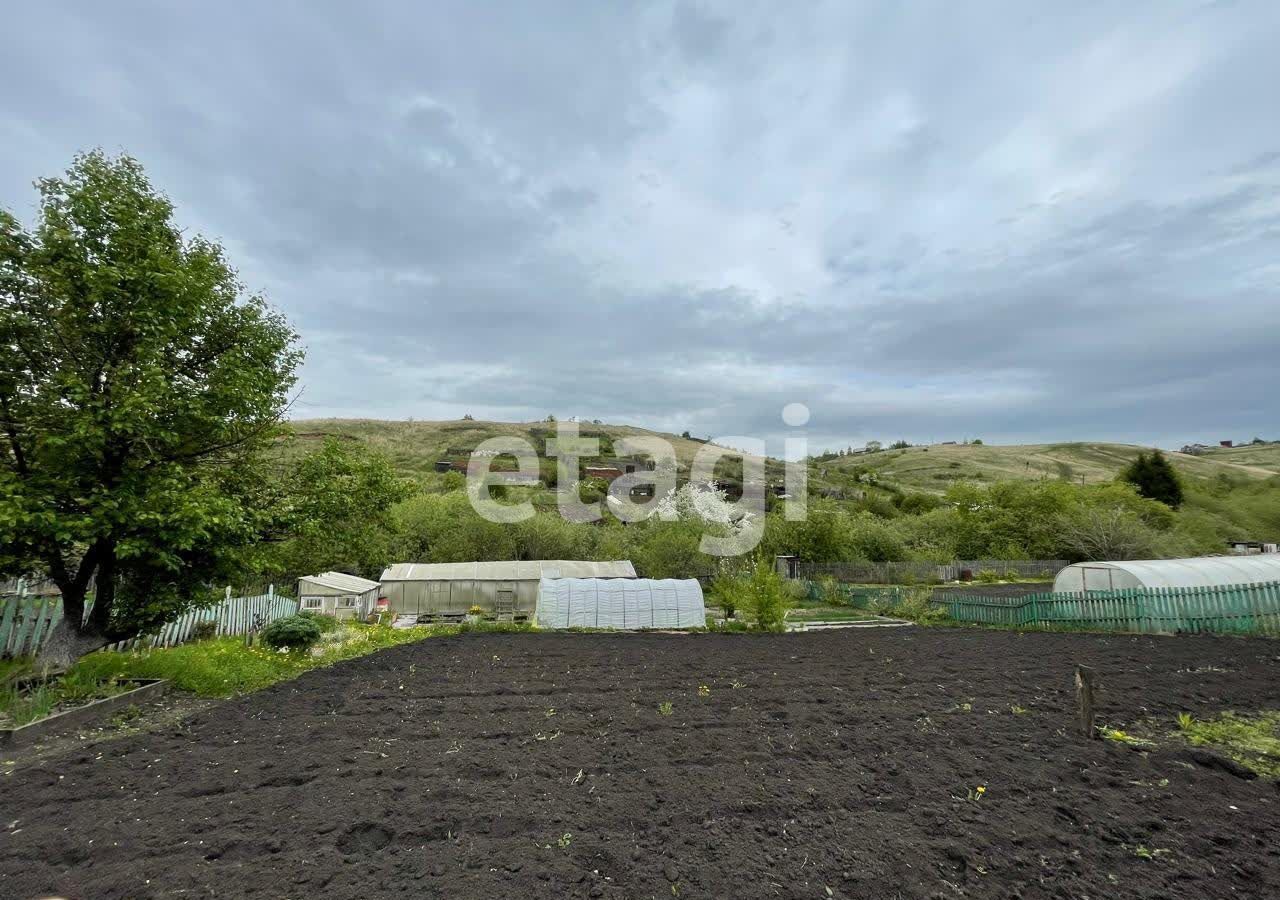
point(73, 714)
point(882, 762)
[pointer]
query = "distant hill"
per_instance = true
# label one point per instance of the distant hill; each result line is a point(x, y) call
point(936, 467)
point(413, 446)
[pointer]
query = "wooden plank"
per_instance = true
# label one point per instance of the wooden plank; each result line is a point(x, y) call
point(51, 615)
point(8, 610)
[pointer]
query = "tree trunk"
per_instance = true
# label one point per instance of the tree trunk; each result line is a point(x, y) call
point(72, 637)
point(65, 645)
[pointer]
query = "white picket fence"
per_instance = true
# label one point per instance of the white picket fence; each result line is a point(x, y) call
point(234, 615)
point(26, 620)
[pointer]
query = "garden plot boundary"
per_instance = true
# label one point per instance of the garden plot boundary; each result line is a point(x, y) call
point(1231, 609)
point(27, 620)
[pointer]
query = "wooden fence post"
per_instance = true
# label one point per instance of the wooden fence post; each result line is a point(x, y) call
point(1084, 701)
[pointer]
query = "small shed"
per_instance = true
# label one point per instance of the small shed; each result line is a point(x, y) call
point(625, 604)
point(338, 594)
point(505, 589)
point(1202, 571)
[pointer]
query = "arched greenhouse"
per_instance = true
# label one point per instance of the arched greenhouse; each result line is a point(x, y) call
point(1204, 571)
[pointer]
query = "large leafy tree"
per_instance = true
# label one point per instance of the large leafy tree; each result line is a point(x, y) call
point(339, 512)
point(138, 386)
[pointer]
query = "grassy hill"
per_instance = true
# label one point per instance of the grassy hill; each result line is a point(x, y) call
point(1245, 504)
point(934, 468)
point(1253, 456)
point(414, 447)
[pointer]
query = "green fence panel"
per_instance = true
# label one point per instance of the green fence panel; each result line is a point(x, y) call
point(1229, 609)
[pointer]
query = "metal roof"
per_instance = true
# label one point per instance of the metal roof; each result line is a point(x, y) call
point(341, 581)
point(526, 570)
point(1201, 571)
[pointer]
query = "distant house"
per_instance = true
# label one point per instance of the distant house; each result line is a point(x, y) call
point(610, 469)
point(1196, 449)
point(1226, 443)
point(1251, 548)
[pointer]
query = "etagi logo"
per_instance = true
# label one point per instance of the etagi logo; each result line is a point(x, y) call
point(734, 527)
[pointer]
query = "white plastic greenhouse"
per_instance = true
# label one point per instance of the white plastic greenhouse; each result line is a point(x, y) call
point(623, 603)
point(1203, 571)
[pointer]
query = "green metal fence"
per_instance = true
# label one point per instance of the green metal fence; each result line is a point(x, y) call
point(1230, 609)
point(26, 620)
point(856, 596)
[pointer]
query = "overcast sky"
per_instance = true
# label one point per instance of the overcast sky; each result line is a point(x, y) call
point(922, 220)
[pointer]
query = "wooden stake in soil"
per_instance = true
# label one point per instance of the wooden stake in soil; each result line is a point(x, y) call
point(1084, 700)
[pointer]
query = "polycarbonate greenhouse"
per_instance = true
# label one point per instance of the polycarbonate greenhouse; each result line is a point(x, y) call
point(627, 604)
point(503, 588)
point(1204, 571)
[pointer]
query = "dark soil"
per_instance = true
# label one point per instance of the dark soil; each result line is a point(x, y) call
point(835, 764)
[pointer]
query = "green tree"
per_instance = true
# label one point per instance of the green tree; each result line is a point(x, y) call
point(1155, 478)
point(445, 528)
point(340, 502)
point(765, 598)
point(138, 387)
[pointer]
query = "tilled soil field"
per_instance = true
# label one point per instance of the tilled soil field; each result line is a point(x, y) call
point(839, 764)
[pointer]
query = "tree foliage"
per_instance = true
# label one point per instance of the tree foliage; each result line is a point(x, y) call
point(138, 385)
point(1155, 478)
point(339, 513)
point(765, 597)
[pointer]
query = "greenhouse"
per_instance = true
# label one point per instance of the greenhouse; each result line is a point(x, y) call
point(1204, 571)
point(506, 589)
point(626, 604)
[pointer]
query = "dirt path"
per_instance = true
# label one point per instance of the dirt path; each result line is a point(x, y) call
point(837, 764)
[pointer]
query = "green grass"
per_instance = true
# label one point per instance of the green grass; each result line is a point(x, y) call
point(225, 667)
point(22, 706)
point(1251, 739)
point(11, 669)
point(826, 614)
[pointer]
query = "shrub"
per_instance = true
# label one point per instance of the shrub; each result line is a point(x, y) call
point(765, 599)
point(292, 633)
point(726, 589)
point(830, 592)
point(593, 490)
point(916, 503)
point(324, 622)
point(915, 604)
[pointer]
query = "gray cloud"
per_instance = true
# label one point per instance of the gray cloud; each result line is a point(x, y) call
point(927, 222)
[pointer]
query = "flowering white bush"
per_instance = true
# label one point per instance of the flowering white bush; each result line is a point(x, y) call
point(704, 502)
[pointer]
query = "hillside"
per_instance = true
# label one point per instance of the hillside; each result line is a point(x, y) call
point(936, 467)
point(413, 446)
point(1245, 505)
point(1256, 456)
